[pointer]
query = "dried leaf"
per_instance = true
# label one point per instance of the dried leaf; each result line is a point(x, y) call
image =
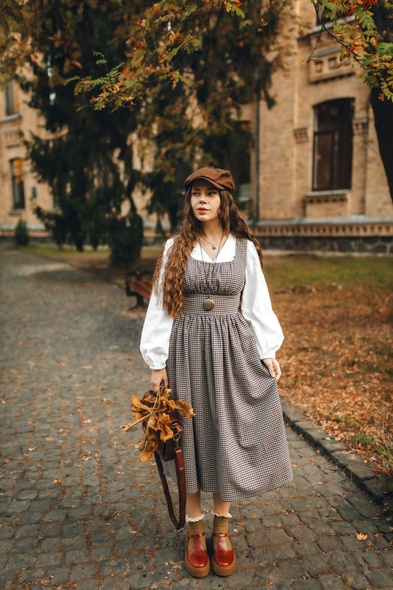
point(166, 432)
point(184, 409)
point(138, 405)
point(363, 407)
point(147, 446)
point(154, 411)
point(152, 423)
point(139, 416)
point(146, 456)
point(361, 537)
point(149, 400)
point(166, 392)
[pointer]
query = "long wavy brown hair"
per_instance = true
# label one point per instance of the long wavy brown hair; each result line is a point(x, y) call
point(189, 233)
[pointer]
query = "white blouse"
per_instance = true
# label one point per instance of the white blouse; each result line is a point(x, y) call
point(256, 308)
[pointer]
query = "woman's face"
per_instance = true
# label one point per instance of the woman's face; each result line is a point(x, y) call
point(205, 201)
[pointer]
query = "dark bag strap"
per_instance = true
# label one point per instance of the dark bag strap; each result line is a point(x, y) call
point(181, 484)
point(171, 450)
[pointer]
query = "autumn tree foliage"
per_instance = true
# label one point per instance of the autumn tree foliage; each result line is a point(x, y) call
point(176, 40)
point(364, 28)
point(216, 55)
point(173, 72)
point(191, 67)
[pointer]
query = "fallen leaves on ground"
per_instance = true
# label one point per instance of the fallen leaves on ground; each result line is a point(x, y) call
point(337, 366)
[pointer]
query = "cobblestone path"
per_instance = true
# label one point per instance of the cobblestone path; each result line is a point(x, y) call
point(79, 510)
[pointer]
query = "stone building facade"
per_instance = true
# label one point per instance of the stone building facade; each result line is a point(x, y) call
point(321, 178)
point(18, 185)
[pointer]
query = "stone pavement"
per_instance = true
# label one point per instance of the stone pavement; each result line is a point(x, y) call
point(79, 510)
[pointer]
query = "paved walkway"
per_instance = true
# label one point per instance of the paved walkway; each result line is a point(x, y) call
point(79, 510)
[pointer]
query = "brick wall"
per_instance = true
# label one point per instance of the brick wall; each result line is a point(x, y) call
point(13, 129)
point(286, 135)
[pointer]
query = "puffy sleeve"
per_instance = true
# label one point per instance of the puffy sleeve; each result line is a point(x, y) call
point(157, 326)
point(257, 309)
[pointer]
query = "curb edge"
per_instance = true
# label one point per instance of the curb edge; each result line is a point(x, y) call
point(339, 453)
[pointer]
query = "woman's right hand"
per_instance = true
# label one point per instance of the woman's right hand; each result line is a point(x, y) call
point(157, 377)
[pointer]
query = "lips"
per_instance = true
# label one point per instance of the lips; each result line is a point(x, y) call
point(202, 210)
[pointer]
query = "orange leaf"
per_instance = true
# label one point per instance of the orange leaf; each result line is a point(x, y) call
point(138, 405)
point(184, 409)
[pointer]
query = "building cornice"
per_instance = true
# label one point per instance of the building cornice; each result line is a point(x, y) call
point(354, 226)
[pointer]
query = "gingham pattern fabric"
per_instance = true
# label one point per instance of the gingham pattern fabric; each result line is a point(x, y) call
point(236, 443)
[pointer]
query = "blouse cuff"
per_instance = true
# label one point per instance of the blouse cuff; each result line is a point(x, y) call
point(157, 365)
point(270, 354)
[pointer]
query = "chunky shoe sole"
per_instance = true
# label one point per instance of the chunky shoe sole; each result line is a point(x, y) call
point(197, 572)
point(194, 570)
point(223, 570)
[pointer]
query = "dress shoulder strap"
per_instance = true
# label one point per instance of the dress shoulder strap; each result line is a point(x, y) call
point(241, 253)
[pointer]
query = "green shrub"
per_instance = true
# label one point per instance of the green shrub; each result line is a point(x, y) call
point(21, 234)
point(125, 238)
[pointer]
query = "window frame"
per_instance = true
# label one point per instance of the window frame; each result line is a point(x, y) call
point(11, 107)
point(340, 150)
point(17, 185)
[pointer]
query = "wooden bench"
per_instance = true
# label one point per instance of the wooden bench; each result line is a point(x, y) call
point(139, 284)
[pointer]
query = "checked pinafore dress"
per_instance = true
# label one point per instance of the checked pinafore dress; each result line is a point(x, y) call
point(236, 443)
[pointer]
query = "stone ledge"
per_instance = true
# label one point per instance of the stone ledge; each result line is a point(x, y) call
point(340, 196)
point(352, 465)
point(371, 229)
point(7, 231)
point(326, 65)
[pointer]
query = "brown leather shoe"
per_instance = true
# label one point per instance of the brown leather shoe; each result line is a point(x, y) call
point(196, 560)
point(224, 559)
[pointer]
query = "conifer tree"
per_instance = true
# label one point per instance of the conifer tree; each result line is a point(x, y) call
point(86, 156)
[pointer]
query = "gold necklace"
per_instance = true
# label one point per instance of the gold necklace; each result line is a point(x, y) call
point(208, 304)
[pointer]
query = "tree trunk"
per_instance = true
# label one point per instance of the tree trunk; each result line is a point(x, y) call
point(383, 117)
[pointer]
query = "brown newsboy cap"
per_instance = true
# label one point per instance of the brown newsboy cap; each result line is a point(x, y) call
point(221, 179)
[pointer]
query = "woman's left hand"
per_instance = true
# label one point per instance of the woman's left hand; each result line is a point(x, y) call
point(274, 368)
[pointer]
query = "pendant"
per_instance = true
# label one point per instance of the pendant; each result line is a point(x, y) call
point(208, 304)
point(214, 247)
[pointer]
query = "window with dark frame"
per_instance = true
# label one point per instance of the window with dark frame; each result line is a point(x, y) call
point(10, 102)
point(18, 189)
point(332, 152)
point(243, 163)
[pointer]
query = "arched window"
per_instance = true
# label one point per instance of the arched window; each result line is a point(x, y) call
point(332, 157)
point(18, 189)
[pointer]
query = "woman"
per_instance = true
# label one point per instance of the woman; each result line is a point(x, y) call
point(210, 335)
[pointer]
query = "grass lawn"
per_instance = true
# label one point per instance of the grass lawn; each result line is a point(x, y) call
point(337, 360)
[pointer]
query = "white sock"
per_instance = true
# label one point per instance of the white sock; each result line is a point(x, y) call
point(194, 518)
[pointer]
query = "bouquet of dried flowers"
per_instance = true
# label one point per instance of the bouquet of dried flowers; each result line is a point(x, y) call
point(156, 411)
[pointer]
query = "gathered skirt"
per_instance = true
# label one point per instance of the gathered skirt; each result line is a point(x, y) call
point(236, 444)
